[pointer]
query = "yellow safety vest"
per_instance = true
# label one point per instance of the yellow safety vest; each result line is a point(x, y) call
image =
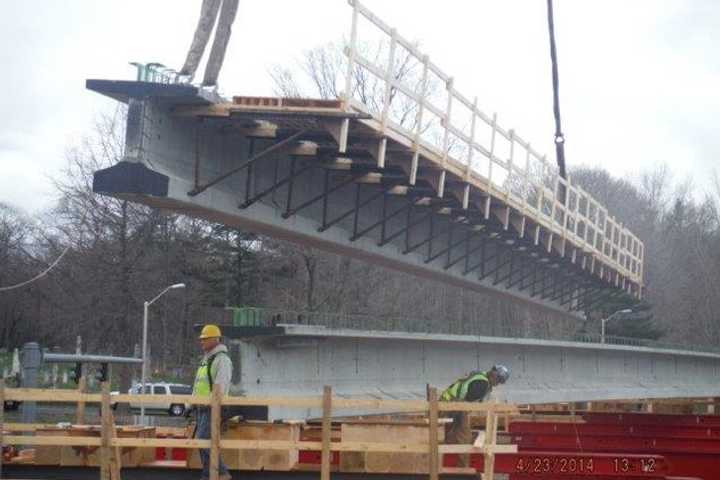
point(203, 378)
point(458, 390)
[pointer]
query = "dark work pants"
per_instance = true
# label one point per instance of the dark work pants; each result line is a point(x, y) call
point(459, 432)
point(203, 432)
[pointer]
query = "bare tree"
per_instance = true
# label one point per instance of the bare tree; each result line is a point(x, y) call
point(322, 72)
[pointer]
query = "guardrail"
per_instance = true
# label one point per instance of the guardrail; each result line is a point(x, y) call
point(158, 73)
point(109, 445)
point(270, 316)
point(419, 101)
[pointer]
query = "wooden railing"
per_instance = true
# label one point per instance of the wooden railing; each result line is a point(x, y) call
point(451, 129)
point(109, 445)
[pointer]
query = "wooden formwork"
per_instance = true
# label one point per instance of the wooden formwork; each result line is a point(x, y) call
point(390, 448)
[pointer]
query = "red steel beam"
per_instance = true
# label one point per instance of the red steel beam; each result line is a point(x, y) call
point(549, 464)
point(699, 458)
point(522, 476)
point(659, 430)
point(614, 443)
point(652, 419)
point(563, 464)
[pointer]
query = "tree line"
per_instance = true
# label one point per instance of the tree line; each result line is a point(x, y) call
point(117, 254)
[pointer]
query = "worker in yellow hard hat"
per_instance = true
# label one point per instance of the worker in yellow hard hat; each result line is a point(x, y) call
point(215, 369)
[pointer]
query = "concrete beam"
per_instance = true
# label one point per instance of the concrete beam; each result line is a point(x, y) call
point(300, 359)
point(204, 166)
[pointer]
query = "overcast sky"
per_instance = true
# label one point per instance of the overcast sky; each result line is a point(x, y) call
point(640, 80)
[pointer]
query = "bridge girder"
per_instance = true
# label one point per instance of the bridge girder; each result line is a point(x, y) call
point(256, 168)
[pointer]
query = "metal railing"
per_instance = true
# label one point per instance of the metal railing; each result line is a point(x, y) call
point(419, 101)
point(268, 316)
point(158, 73)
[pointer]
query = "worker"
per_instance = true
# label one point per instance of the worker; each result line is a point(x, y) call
point(215, 369)
point(474, 387)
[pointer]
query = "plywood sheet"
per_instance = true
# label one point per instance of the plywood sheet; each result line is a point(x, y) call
point(384, 462)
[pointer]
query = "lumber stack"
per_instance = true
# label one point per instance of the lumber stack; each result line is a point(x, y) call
point(256, 459)
point(386, 462)
point(77, 456)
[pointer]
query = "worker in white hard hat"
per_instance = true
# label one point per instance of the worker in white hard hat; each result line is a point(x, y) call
point(215, 369)
point(474, 387)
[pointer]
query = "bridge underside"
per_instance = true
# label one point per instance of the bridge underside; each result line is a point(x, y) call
point(311, 173)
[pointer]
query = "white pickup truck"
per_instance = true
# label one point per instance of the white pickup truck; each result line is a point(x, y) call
point(161, 388)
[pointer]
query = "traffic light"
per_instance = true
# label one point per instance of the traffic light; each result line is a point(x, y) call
point(102, 374)
point(76, 373)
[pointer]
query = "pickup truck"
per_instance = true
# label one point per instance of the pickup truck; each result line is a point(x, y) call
point(161, 388)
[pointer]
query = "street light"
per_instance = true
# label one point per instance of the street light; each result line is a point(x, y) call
point(605, 320)
point(144, 343)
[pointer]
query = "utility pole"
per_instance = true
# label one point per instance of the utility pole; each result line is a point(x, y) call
point(146, 305)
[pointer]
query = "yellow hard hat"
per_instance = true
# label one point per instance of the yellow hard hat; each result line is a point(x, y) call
point(210, 331)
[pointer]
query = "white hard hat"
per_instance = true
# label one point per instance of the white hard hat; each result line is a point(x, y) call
point(502, 372)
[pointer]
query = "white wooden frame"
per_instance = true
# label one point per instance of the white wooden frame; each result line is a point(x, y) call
point(597, 234)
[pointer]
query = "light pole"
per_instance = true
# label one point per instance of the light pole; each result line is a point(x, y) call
point(144, 344)
point(605, 320)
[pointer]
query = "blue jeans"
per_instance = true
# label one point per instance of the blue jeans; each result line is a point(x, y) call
point(202, 431)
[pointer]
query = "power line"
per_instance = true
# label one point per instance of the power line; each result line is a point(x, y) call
point(39, 275)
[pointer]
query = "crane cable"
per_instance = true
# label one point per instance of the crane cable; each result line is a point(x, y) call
point(559, 137)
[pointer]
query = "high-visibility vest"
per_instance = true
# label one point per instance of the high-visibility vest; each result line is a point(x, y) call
point(204, 376)
point(458, 390)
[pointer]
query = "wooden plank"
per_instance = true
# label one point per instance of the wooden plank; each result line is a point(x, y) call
point(434, 459)
point(407, 452)
point(80, 411)
point(224, 110)
point(106, 433)
point(55, 446)
point(490, 442)
point(50, 395)
point(52, 440)
point(148, 399)
point(326, 426)
point(272, 445)
point(309, 103)
point(27, 427)
point(247, 444)
point(474, 449)
point(116, 461)
point(263, 459)
point(215, 432)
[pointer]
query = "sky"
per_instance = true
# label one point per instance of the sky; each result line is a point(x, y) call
point(639, 81)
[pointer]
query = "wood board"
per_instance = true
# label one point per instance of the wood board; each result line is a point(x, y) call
point(256, 459)
point(386, 462)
